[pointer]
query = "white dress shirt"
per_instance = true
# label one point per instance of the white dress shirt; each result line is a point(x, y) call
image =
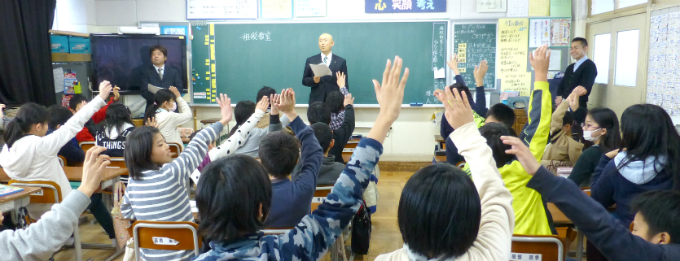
point(162, 70)
point(330, 58)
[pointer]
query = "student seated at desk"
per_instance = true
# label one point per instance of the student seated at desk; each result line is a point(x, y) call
point(249, 143)
point(166, 102)
point(31, 155)
point(77, 102)
point(114, 130)
point(330, 169)
point(601, 127)
point(157, 189)
point(562, 149)
point(40, 240)
point(264, 92)
point(319, 112)
point(531, 217)
point(279, 153)
point(656, 232)
point(335, 101)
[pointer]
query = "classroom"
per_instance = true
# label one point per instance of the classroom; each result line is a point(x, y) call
point(340, 130)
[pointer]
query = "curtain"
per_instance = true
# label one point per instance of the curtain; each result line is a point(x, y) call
point(25, 55)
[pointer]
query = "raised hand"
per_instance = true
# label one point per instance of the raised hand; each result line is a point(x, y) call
point(458, 110)
point(573, 98)
point(390, 95)
point(440, 95)
point(273, 100)
point(480, 72)
point(225, 108)
point(263, 104)
point(287, 103)
point(341, 79)
point(105, 89)
point(453, 63)
point(151, 122)
point(540, 60)
point(93, 170)
point(174, 90)
point(116, 93)
point(349, 99)
point(524, 155)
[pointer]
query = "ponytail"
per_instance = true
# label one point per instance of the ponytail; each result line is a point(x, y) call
point(163, 95)
point(243, 111)
point(29, 114)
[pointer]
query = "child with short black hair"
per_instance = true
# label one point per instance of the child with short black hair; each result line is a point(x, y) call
point(319, 112)
point(71, 151)
point(114, 130)
point(330, 169)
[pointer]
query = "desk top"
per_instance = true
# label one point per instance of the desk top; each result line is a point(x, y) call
point(558, 217)
point(24, 193)
point(75, 174)
point(439, 138)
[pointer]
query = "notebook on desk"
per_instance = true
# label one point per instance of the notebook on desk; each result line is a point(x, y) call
point(6, 190)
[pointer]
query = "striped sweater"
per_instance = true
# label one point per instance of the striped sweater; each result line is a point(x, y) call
point(162, 195)
point(313, 236)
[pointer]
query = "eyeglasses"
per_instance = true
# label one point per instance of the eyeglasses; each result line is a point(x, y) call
point(588, 126)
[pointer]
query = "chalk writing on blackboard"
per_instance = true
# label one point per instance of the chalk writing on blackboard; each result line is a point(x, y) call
point(474, 43)
point(256, 36)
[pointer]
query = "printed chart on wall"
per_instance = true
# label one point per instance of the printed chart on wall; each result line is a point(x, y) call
point(663, 86)
point(474, 43)
point(203, 74)
point(512, 64)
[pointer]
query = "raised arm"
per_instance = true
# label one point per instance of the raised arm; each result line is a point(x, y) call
point(537, 132)
point(184, 115)
point(51, 144)
point(312, 237)
point(275, 123)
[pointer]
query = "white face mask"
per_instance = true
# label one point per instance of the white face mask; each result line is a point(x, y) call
point(588, 135)
point(174, 106)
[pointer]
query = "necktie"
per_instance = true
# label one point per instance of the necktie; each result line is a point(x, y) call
point(325, 60)
point(160, 73)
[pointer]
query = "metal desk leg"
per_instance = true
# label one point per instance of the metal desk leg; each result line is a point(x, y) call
point(579, 246)
point(76, 244)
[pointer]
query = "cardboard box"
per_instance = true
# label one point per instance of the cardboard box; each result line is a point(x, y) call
point(79, 44)
point(59, 43)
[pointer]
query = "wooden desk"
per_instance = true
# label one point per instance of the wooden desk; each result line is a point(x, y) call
point(349, 148)
point(75, 174)
point(558, 217)
point(14, 201)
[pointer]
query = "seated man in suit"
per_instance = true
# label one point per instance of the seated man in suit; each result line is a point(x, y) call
point(321, 86)
point(159, 75)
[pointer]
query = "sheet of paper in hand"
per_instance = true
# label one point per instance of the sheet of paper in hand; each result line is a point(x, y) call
point(320, 70)
point(153, 89)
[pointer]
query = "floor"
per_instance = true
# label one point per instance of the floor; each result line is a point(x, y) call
point(385, 237)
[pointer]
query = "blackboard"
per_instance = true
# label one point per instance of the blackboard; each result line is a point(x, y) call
point(479, 43)
point(249, 56)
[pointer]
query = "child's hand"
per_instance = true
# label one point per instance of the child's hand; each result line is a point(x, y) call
point(453, 63)
point(612, 154)
point(151, 122)
point(174, 90)
point(458, 110)
point(105, 90)
point(225, 108)
point(341, 79)
point(2, 114)
point(579, 91)
point(287, 103)
point(349, 99)
point(93, 170)
point(263, 104)
point(540, 60)
point(273, 100)
point(480, 72)
point(390, 95)
point(440, 95)
point(116, 94)
point(519, 149)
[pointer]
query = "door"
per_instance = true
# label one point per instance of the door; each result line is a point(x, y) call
point(619, 49)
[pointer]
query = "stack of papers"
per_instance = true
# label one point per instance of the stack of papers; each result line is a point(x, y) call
point(6, 190)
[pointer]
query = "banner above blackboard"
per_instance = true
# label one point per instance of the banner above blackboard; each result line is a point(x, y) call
point(405, 6)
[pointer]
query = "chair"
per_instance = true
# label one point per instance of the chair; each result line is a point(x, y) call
point(319, 195)
point(184, 233)
point(549, 247)
point(175, 149)
point(62, 161)
point(86, 145)
point(117, 162)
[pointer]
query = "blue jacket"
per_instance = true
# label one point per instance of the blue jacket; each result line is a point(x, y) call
point(71, 150)
point(292, 200)
point(479, 107)
point(612, 185)
point(613, 240)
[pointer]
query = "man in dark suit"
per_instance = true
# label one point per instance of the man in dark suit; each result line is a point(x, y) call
point(580, 73)
point(159, 75)
point(326, 84)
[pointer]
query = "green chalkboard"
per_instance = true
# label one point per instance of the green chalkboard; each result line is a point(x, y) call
point(475, 43)
point(249, 56)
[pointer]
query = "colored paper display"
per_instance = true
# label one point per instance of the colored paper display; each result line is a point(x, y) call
point(512, 64)
point(539, 32)
point(276, 9)
point(560, 32)
point(560, 8)
point(405, 6)
point(539, 7)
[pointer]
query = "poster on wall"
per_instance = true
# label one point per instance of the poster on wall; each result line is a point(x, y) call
point(512, 65)
point(539, 32)
point(663, 86)
point(560, 30)
point(491, 6)
point(276, 9)
point(215, 10)
point(405, 6)
point(310, 8)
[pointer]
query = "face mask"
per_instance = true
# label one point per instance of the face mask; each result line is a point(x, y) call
point(588, 135)
point(174, 106)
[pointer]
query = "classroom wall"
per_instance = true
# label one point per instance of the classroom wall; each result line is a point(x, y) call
point(412, 135)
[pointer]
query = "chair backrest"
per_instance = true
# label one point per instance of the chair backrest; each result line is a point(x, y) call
point(548, 247)
point(175, 149)
point(166, 235)
point(62, 160)
point(86, 145)
point(50, 193)
point(320, 194)
point(586, 190)
point(276, 231)
point(117, 162)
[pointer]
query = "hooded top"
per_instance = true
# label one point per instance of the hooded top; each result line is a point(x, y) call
point(169, 121)
point(35, 158)
point(615, 185)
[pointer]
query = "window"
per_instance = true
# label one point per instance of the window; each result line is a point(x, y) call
point(627, 57)
point(627, 3)
point(601, 52)
point(601, 6)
